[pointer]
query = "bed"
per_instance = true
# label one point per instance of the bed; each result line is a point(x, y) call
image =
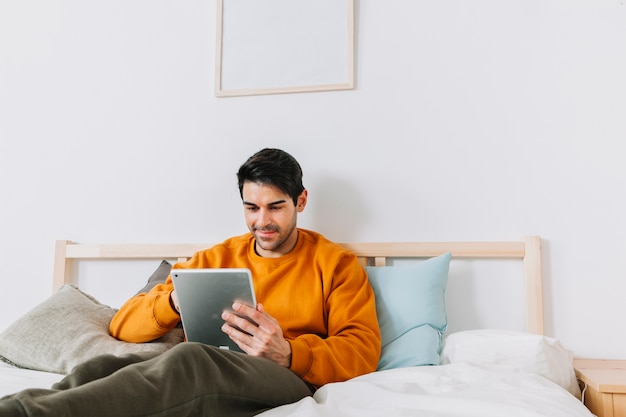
point(424, 370)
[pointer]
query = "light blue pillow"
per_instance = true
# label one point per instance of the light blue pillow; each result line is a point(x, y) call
point(410, 303)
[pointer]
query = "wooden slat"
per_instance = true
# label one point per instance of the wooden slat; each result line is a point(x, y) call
point(134, 251)
point(380, 261)
point(428, 249)
point(370, 250)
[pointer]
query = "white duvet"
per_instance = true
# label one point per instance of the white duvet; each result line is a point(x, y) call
point(458, 389)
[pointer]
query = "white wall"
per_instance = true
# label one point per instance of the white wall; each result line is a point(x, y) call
point(481, 120)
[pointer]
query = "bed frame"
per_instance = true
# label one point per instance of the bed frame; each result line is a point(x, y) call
point(376, 254)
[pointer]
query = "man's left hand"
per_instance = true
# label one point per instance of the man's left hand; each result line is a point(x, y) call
point(264, 339)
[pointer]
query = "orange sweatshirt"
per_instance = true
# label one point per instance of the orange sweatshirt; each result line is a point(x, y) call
point(319, 293)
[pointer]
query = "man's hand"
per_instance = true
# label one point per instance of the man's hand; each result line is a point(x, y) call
point(264, 339)
point(174, 301)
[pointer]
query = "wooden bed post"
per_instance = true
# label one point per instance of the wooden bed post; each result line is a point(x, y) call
point(62, 265)
point(534, 290)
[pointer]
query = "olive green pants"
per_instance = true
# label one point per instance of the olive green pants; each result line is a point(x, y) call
point(190, 379)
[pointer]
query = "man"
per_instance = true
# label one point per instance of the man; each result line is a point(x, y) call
point(315, 323)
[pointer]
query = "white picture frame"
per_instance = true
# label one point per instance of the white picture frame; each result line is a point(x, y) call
point(284, 46)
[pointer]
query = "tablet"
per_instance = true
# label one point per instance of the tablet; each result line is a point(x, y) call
point(204, 294)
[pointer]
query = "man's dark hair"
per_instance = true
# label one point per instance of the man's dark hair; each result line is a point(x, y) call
point(273, 167)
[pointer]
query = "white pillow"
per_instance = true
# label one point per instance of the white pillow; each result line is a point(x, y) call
point(521, 351)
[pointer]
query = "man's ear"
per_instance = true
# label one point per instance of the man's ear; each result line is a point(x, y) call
point(302, 198)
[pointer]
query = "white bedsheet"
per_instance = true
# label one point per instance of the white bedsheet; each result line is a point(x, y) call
point(458, 389)
point(14, 379)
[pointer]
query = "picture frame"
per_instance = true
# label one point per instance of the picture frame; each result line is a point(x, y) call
point(284, 46)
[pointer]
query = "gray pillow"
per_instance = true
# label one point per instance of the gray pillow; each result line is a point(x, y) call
point(66, 330)
point(158, 276)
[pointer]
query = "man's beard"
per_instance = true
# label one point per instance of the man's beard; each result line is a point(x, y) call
point(276, 242)
point(268, 244)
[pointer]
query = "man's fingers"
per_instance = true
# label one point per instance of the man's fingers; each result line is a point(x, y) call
point(238, 322)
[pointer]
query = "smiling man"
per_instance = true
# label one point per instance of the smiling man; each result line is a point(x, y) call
point(315, 322)
point(271, 218)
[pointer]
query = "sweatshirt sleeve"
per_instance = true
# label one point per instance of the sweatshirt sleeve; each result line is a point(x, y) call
point(353, 344)
point(146, 316)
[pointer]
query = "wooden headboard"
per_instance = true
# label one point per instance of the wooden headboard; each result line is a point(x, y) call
point(528, 250)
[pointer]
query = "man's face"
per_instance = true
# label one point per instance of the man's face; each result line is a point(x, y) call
point(271, 217)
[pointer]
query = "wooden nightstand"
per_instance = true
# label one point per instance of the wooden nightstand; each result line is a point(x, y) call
point(606, 385)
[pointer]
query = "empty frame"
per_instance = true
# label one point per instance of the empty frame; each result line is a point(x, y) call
point(284, 46)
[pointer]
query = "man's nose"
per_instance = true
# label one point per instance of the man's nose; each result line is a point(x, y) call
point(263, 218)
